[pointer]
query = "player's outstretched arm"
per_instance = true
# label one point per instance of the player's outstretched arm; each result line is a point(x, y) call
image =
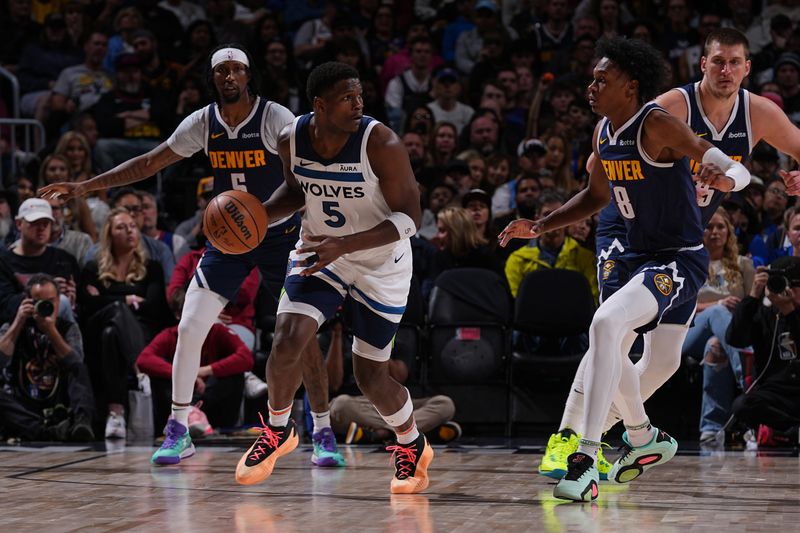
point(389, 160)
point(289, 197)
point(131, 171)
point(667, 138)
point(584, 204)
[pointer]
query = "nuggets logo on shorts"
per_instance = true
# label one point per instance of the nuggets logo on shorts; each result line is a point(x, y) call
point(663, 283)
point(608, 266)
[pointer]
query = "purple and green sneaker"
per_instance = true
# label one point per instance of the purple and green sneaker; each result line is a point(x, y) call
point(325, 452)
point(176, 446)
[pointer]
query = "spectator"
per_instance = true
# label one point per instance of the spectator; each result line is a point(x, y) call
point(75, 242)
point(278, 81)
point(75, 147)
point(79, 87)
point(126, 21)
point(225, 25)
point(382, 37)
point(498, 172)
point(220, 380)
point(440, 195)
point(531, 154)
point(18, 29)
point(446, 106)
point(353, 417)
point(56, 168)
point(461, 23)
point(787, 76)
point(200, 39)
point(773, 331)
point(159, 74)
point(582, 233)
point(130, 117)
point(131, 201)
point(185, 12)
point(42, 369)
point(175, 243)
point(730, 278)
point(401, 61)
point(554, 249)
point(477, 167)
point(191, 97)
point(191, 229)
point(40, 64)
point(484, 134)
point(8, 202)
point(310, 39)
point(552, 36)
point(479, 205)
point(163, 23)
point(122, 297)
point(33, 255)
point(412, 88)
point(443, 144)
point(420, 120)
point(417, 153)
point(469, 45)
point(689, 62)
point(460, 245)
point(775, 201)
point(678, 35)
point(557, 163)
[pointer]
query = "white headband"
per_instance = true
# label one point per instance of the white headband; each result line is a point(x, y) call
point(229, 54)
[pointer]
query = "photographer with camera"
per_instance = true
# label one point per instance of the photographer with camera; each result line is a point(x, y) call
point(41, 357)
point(772, 327)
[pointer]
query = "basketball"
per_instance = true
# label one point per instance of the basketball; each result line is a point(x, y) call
point(235, 222)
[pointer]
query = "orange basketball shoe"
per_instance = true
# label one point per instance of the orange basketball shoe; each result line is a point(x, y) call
point(411, 466)
point(256, 465)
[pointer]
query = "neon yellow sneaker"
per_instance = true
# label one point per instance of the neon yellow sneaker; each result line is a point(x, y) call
point(559, 447)
point(603, 466)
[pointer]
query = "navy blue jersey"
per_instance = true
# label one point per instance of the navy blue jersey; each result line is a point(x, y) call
point(239, 157)
point(735, 139)
point(656, 200)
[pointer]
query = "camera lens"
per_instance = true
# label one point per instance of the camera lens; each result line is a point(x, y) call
point(43, 308)
point(777, 283)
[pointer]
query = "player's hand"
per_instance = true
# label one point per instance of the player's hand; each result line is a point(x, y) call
point(792, 181)
point(200, 386)
point(328, 250)
point(64, 190)
point(521, 228)
point(712, 176)
point(783, 301)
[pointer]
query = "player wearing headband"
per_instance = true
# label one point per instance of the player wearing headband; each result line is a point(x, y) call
point(237, 122)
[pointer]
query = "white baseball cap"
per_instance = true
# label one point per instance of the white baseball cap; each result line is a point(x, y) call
point(34, 209)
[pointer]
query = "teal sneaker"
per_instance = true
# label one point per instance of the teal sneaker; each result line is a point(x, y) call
point(636, 461)
point(581, 482)
point(325, 451)
point(603, 466)
point(176, 446)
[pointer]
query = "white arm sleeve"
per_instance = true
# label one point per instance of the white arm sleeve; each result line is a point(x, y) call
point(275, 119)
point(734, 170)
point(190, 135)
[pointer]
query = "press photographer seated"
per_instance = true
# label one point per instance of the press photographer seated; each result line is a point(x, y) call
point(772, 327)
point(41, 357)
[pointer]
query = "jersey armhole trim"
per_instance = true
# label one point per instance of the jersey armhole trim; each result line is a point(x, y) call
point(746, 100)
point(640, 148)
point(364, 155)
point(688, 105)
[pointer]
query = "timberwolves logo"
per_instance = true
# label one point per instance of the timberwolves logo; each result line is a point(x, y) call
point(663, 283)
point(608, 266)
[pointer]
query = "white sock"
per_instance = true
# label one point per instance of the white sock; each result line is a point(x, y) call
point(589, 447)
point(279, 417)
point(200, 310)
point(321, 420)
point(640, 434)
point(614, 321)
point(408, 436)
point(181, 414)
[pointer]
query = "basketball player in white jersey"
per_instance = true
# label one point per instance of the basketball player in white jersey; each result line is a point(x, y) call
point(735, 121)
point(238, 121)
point(361, 201)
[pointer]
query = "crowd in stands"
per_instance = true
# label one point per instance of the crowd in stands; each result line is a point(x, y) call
point(487, 97)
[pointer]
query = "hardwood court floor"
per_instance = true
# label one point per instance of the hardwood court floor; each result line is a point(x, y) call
point(55, 489)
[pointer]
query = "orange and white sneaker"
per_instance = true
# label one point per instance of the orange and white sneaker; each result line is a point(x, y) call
point(411, 466)
point(256, 465)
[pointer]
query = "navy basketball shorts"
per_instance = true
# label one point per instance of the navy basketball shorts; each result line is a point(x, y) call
point(611, 272)
point(673, 278)
point(224, 273)
point(377, 285)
